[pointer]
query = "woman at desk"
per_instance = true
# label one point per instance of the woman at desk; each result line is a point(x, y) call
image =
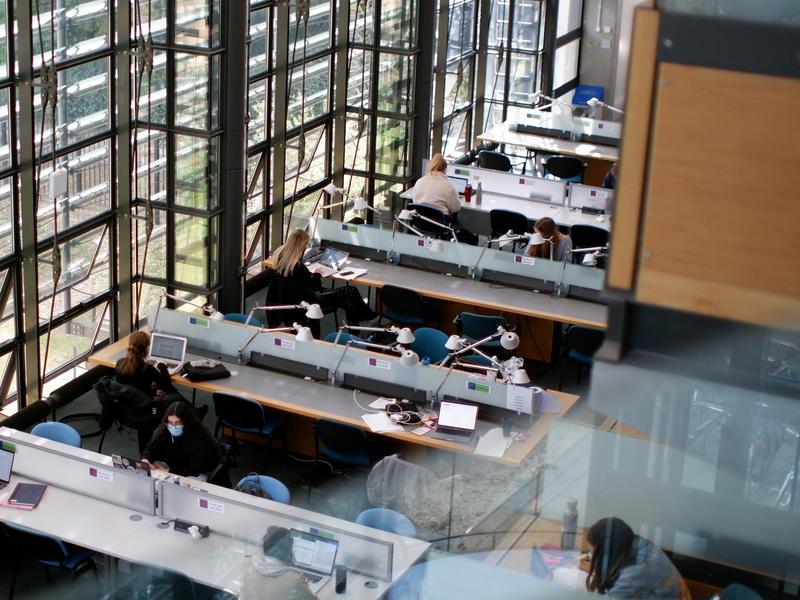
point(183, 443)
point(624, 565)
point(293, 282)
point(556, 245)
point(133, 369)
point(435, 189)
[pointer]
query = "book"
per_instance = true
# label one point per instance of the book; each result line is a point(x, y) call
point(27, 494)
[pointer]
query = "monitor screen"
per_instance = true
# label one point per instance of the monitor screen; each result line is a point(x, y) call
point(313, 552)
point(167, 347)
point(458, 182)
point(457, 415)
point(6, 460)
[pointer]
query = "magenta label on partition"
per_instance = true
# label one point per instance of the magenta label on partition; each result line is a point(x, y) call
point(285, 344)
point(379, 363)
point(101, 474)
point(212, 505)
point(421, 243)
point(524, 260)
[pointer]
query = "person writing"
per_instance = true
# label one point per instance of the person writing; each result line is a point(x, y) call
point(624, 565)
point(556, 245)
point(435, 189)
point(182, 443)
point(293, 282)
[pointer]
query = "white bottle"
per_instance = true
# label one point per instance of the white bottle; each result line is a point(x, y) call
point(479, 194)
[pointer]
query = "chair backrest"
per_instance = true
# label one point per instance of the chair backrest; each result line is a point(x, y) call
point(269, 485)
point(341, 438)
point(737, 591)
point(39, 545)
point(497, 161)
point(58, 432)
point(429, 342)
point(567, 168)
point(475, 326)
point(285, 290)
point(344, 338)
point(431, 212)
point(588, 236)
point(386, 519)
point(242, 318)
point(584, 339)
point(402, 300)
point(504, 220)
point(239, 413)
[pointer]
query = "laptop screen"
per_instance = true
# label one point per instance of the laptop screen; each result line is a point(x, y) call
point(167, 347)
point(313, 552)
point(6, 461)
point(457, 416)
point(459, 183)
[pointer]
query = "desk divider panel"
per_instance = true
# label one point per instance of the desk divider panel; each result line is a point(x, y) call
point(247, 520)
point(80, 471)
point(458, 254)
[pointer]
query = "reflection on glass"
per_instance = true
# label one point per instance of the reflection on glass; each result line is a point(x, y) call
point(192, 242)
point(398, 22)
point(395, 82)
point(194, 103)
point(6, 216)
point(78, 27)
point(197, 23)
point(154, 259)
point(309, 90)
point(73, 339)
point(391, 147)
point(8, 329)
point(196, 172)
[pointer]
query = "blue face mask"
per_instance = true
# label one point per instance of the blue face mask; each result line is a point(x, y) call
point(175, 430)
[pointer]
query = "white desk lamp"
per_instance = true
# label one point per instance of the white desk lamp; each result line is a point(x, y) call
point(596, 103)
point(313, 311)
point(408, 214)
point(359, 203)
point(589, 260)
point(538, 238)
point(213, 313)
point(408, 358)
point(303, 334)
point(506, 238)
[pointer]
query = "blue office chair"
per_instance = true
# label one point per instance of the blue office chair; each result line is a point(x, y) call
point(271, 486)
point(565, 168)
point(242, 318)
point(344, 338)
point(152, 581)
point(580, 345)
point(737, 591)
point(406, 307)
point(429, 342)
point(476, 327)
point(58, 432)
point(248, 416)
point(339, 444)
point(49, 551)
point(389, 520)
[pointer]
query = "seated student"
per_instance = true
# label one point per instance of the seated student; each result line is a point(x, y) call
point(133, 369)
point(624, 565)
point(183, 443)
point(556, 244)
point(435, 189)
point(610, 179)
point(293, 283)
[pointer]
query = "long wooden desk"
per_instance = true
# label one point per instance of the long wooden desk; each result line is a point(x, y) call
point(500, 134)
point(307, 401)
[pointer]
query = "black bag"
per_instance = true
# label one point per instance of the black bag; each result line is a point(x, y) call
point(218, 371)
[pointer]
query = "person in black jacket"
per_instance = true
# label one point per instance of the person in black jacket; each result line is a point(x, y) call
point(133, 369)
point(293, 282)
point(183, 443)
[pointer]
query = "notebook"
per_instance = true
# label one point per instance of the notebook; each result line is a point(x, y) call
point(27, 494)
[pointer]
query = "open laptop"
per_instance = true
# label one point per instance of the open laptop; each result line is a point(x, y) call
point(167, 349)
point(456, 422)
point(332, 258)
point(313, 556)
point(460, 183)
point(6, 462)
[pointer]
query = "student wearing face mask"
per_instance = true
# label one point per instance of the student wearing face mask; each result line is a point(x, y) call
point(555, 245)
point(183, 443)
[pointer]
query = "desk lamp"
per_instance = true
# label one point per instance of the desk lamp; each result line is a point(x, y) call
point(359, 203)
point(506, 238)
point(208, 309)
point(313, 311)
point(408, 358)
point(538, 238)
point(407, 214)
point(589, 260)
point(537, 97)
point(595, 103)
point(302, 334)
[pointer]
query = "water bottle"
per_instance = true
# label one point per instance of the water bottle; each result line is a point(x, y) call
point(478, 194)
point(569, 525)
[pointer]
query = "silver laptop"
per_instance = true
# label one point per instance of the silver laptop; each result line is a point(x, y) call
point(6, 462)
point(313, 556)
point(460, 183)
point(167, 349)
point(456, 422)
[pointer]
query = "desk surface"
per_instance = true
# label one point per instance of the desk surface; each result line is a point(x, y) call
point(484, 294)
point(321, 400)
point(500, 134)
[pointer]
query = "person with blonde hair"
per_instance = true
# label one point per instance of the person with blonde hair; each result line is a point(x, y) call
point(292, 283)
point(435, 189)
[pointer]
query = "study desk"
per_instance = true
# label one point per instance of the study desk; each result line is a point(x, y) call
point(500, 134)
point(306, 401)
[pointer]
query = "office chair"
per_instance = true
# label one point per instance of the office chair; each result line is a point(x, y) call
point(248, 416)
point(339, 444)
point(429, 343)
point(153, 581)
point(580, 345)
point(502, 221)
point(387, 519)
point(406, 307)
point(737, 591)
point(431, 212)
point(475, 327)
point(271, 486)
point(565, 168)
point(497, 161)
point(242, 318)
point(58, 432)
point(587, 236)
point(49, 551)
point(344, 338)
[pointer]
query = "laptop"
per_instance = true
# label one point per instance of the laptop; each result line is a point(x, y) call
point(332, 258)
point(130, 464)
point(456, 422)
point(6, 462)
point(460, 183)
point(313, 556)
point(167, 349)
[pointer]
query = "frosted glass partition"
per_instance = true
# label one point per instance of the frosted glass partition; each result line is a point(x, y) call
point(81, 471)
point(248, 519)
point(768, 11)
point(590, 196)
point(460, 255)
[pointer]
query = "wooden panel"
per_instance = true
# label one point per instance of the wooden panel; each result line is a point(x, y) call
point(633, 159)
point(723, 204)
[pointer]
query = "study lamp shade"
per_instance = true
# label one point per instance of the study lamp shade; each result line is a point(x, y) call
point(453, 343)
point(404, 336)
point(537, 239)
point(360, 204)
point(330, 189)
point(520, 377)
point(313, 311)
point(409, 358)
point(509, 340)
point(406, 215)
point(304, 334)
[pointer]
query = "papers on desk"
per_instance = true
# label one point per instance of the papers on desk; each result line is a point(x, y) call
point(381, 423)
point(349, 274)
point(493, 443)
point(381, 403)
